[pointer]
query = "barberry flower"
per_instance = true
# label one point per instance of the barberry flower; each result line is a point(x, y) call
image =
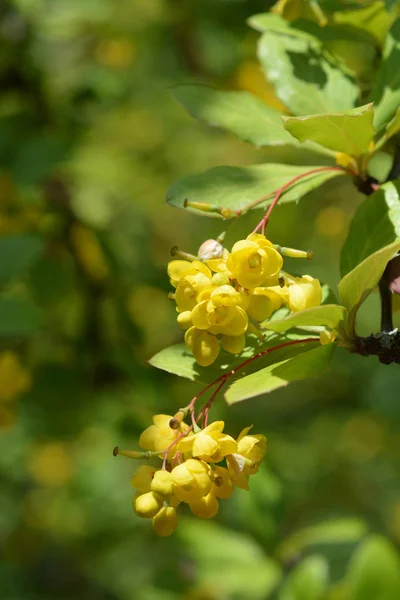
point(165, 521)
point(162, 483)
point(304, 292)
point(209, 444)
point(180, 269)
point(222, 313)
point(247, 459)
point(204, 345)
point(147, 505)
point(222, 486)
point(263, 301)
point(159, 436)
point(191, 480)
point(142, 478)
point(252, 446)
point(254, 262)
point(206, 507)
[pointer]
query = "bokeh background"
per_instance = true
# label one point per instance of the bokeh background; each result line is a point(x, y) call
point(90, 140)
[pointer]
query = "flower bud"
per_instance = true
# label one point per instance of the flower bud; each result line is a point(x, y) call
point(191, 480)
point(165, 521)
point(142, 478)
point(184, 319)
point(210, 249)
point(147, 505)
point(162, 483)
point(206, 507)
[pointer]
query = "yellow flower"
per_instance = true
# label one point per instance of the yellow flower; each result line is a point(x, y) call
point(253, 447)
point(254, 262)
point(184, 319)
point(188, 289)
point(159, 436)
point(247, 459)
point(305, 293)
point(222, 483)
point(142, 478)
point(162, 483)
point(206, 507)
point(222, 313)
point(180, 269)
point(191, 480)
point(204, 345)
point(147, 505)
point(165, 521)
point(233, 343)
point(209, 444)
point(239, 470)
point(264, 301)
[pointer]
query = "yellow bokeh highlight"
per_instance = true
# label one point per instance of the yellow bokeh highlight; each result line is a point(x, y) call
point(362, 438)
point(115, 53)
point(331, 222)
point(89, 252)
point(51, 465)
point(250, 77)
point(14, 378)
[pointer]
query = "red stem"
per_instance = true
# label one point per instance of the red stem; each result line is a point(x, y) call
point(264, 221)
point(221, 380)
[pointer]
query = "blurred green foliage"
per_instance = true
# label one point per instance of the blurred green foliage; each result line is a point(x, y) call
point(90, 140)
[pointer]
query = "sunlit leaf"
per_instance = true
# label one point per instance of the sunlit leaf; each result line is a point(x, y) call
point(179, 360)
point(372, 19)
point(350, 132)
point(307, 79)
point(374, 571)
point(237, 187)
point(375, 224)
point(308, 581)
point(241, 113)
point(18, 253)
point(393, 126)
point(386, 92)
point(328, 315)
point(277, 375)
point(357, 285)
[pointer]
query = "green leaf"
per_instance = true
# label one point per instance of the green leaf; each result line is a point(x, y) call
point(229, 561)
point(18, 317)
point(357, 285)
point(308, 581)
point(307, 79)
point(372, 19)
point(374, 571)
point(277, 375)
point(350, 132)
point(335, 531)
point(18, 253)
point(236, 187)
point(393, 126)
point(386, 92)
point(328, 315)
point(179, 360)
point(240, 112)
point(375, 224)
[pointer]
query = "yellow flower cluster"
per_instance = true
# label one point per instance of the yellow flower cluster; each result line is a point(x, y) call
point(223, 296)
point(200, 469)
